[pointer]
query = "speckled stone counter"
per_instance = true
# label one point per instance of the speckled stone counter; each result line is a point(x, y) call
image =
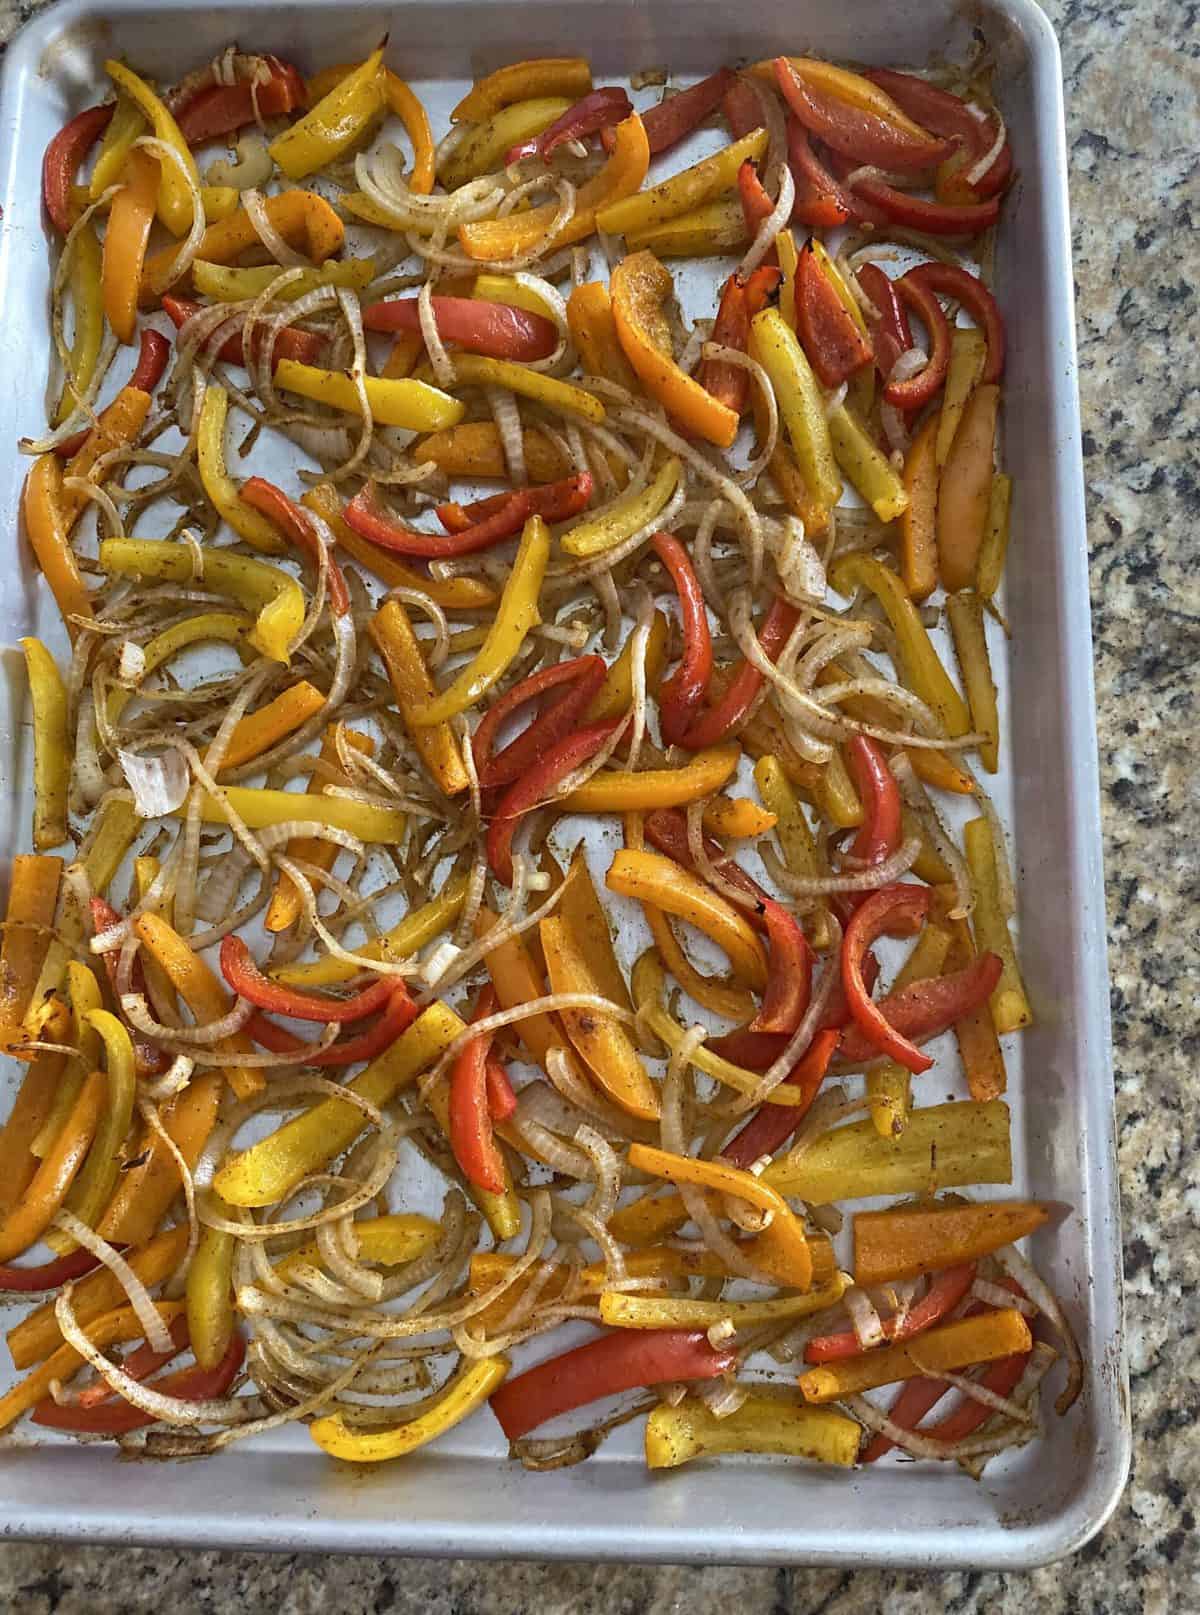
point(1133, 108)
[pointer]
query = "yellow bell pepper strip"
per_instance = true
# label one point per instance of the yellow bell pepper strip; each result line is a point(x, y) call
point(924, 673)
point(918, 520)
point(501, 1211)
point(26, 1120)
point(286, 905)
point(711, 229)
point(259, 731)
point(274, 596)
point(46, 528)
point(906, 1241)
point(414, 690)
point(391, 1240)
point(174, 198)
point(594, 333)
point(602, 1042)
point(47, 1189)
point(947, 1347)
point(269, 1170)
point(201, 992)
point(968, 354)
point(210, 1310)
point(615, 696)
point(87, 303)
point(622, 174)
point(795, 839)
point(38, 1335)
point(473, 370)
point(32, 900)
point(93, 1188)
point(126, 124)
point(260, 808)
point(581, 911)
point(737, 817)
point(965, 614)
point(334, 124)
point(51, 746)
point(116, 426)
point(625, 516)
point(784, 1236)
point(219, 485)
point(673, 1312)
point(114, 835)
point(715, 993)
point(474, 450)
point(505, 289)
point(612, 791)
point(867, 467)
point(562, 76)
point(689, 189)
point(220, 627)
point(304, 220)
point(788, 255)
point(801, 406)
point(467, 1391)
point(639, 285)
point(649, 983)
point(413, 405)
point(965, 490)
point(975, 1032)
point(1009, 1003)
point(653, 878)
point(483, 149)
point(943, 1146)
point(990, 566)
point(128, 231)
point(409, 936)
point(648, 1219)
point(761, 1424)
point(402, 103)
point(232, 285)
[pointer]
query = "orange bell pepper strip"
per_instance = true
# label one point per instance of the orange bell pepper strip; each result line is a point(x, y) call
point(951, 1346)
point(46, 526)
point(518, 979)
point(30, 1113)
point(974, 1032)
point(117, 425)
point(965, 614)
point(473, 450)
point(965, 489)
point(32, 899)
point(542, 76)
point(29, 1219)
point(918, 522)
point(128, 231)
point(655, 879)
point(392, 632)
point(304, 220)
point(639, 285)
point(594, 333)
point(145, 1191)
point(285, 905)
point(906, 1241)
point(581, 910)
point(716, 993)
point(259, 731)
point(621, 176)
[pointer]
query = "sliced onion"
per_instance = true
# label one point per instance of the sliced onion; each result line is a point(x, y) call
point(138, 1295)
point(137, 1012)
point(775, 221)
point(159, 784)
point(1040, 1293)
point(260, 219)
point(991, 156)
point(443, 365)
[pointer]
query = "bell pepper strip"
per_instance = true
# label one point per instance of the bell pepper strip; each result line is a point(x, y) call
point(832, 340)
point(174, 197)
point(457, 594)
point(70, 1025)
point(893, 909)
point(707, 231)
point(26, 1122)
point(974, 1028)
point(484, 148)
point(949, 1346)
point(126, 123)
point(517, 980)
point(305, 220)
point(651, 878)
point(276, 598)
point(334, 124)
point(422, 926)
point(271, 1168)
point(763, 1423)
point(398, 1013)
point(536, 786)
point(964, 491)
point(52, 747)
point(524, 81)
point(201, 992)
point(965, 614)
point(117, 425)
point(918, 520)
point(789, 973)
point(870, 471)
point(32, 901)
point(682, 693)
point(62, 160)
point(674, 1312)
point(553, 502)
point(1001, 1378)
point(774, 1124)
point(948, 1288)
point(259, 808)
point(265, 499)
point(207, 627)
point(390, 1240)
point(731, 706)
point(289, 344)
point(968, 355)
point(219, 485)
point(148, 1057)
point(879, 836)
point(47, 1189)
point(689, 189)
point(501, 1097)
point(907, 1241)
point(111, 1324)
point(969, 290)
point(501, 1212)
point(221, 109)
point(718, 994)
point(776, 347)
point(467, 1391)
point(473, 370)
point(210, 1310)
point(471, 1136)
point(87, 305)
point(623, 1360)
point(888, 1084)
point(628, 514)
point(245, 979)
point(792, 832)
point(42, 510)
point(666, 829)
point(124, 251)
point(890, 332)
point(597, 111)
point(951, 117)
point(584, 916)
point(495, 330)
point(93, 1188)
point(1009, 1002)
point(225, 284)
point(519, 233)
point(286, 904)
point(594, 332)
point(677, 115)
point(740, 301)
point(957, 220)
point(989, 568)
point(923, 671)
point(48, 1276)
point(737, 817)
point(474, 451)
point(414, 406)
point(612, 791)
point(856, 131)
point(615, 696)
point(583, 676)
point(820, 202)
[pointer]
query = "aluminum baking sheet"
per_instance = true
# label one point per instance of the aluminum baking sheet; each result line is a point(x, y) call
point(464, 1497)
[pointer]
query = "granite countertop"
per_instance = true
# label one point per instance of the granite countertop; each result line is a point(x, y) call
point(1132, 72)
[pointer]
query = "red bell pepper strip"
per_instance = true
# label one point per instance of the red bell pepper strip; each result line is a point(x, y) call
point(714, 725)
point(621, 1361)
point(834, 344)
point(757, 1050)
point(219, 109)
point(756, 204)
point(899, 911)
point(925, 1009)
point(789, 973)
point(306, 346)
point(902, 207)
point(536, 786)
point(974, 296)
point(666, 829)
point(945, 1291)
point(495, 329)
point(741, 108)
point(275, 505)
point(890, 332)
point(820, 202)
point(50, 1275)
point(919, 389)
point(740, 302)
point(247, 980)
point(583, 675)
point(139, 1365)
point(62, 159)
point(682, 693)
point(399, 1013)
point(275, 1039)
point(555, 502)
point(602, 109)
point(501, 1100)
point(153, 352)
point(149, 1060)
point(949, 115)
point(772, 1125)
point(1000, 1377)
point(119, 1417)
point(471, 1137)
point(672, 119)
point(879, 835)
point(863, 136)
